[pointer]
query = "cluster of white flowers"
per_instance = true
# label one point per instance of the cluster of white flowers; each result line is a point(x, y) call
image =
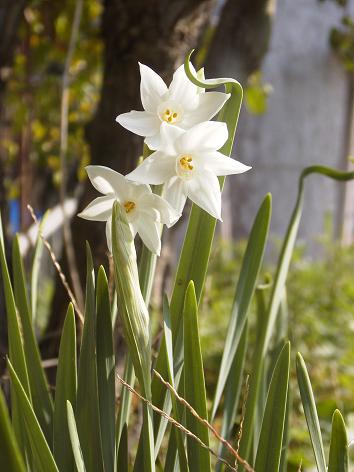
point(175, 124)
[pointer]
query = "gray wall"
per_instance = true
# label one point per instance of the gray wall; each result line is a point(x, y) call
point(304, 123)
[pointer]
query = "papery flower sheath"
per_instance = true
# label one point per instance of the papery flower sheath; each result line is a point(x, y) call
point(144, 210)
point(188, 162)
point(182, 104)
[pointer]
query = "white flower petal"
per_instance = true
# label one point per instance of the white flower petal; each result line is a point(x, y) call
point(182, 90)
point(153, 142)
point(152, 88)
point(99, 209)
point(106, 180)
point(142, 123)
point(169, 134)
point(206, 136)
point(168, 215)
point(136, 190)
point(155, 169)
point(109, 233)
point(175, 193)
point(204, 191)
point(209, 105)
point(149, 232)
point(220, 164)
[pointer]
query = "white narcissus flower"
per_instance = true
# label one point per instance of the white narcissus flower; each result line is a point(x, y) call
point(189, 163)
point(144, 210)
point(182, 104)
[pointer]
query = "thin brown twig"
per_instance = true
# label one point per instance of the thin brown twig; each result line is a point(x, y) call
point(243, 414)
point(57, 266)
point(206, 423)
point(175, 423)
point(64, 124)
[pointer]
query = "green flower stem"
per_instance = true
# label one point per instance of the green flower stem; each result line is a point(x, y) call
point(197, 244)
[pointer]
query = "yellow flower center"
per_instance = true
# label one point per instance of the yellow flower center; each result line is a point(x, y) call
point(170, 116)
point(186, 163)
point(129, 206)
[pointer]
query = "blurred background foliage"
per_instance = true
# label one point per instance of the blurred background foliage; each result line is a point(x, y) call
point(320, 304)
point(33, 131)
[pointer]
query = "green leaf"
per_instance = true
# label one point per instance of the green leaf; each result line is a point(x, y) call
point(10, 455)
point(338, 451)
point(178, 439)
point(74, 440)
point(65, 391)
point(194, 384)
point(271, 437)
point(87, 411)
point(105, 370)
point(122, 457)
point(16, 350)
point(233, 390)
point(36, 263)
point(308, 403)
point(41, 398)
point(124, 405)
point(277, 296)
point(251, 265)
point(42, 457)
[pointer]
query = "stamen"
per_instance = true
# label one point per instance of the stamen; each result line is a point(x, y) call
point(129, 206)
point(185, 163)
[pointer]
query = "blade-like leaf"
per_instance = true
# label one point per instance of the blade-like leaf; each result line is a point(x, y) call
point(122, 457)
point(251, 265)
point(42, 457)
point(233, 390)
point(41, 398)
point(105, 371)
point(36, 263)
point(16, 350)
point(338, 451)
point(194, 384)
point(10, 455)
point(87, 412)
point(74, 440)
point(271, 437)
point(178, 439)
point(277, 296)
point(65, 391)
point(308, 403)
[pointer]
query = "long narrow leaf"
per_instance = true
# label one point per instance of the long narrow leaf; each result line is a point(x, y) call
point(271, 437)
point(65, 391)
point(233, 390)
point(194, 384)
point(74, 439)
point(36, 263)
point(105, 371)
point(42, 457)
point(338, 451)
point(10, 455)
point(16, 350)
point(87, 412)
point(309, 405)
point(41, 398)
point(251, 265)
